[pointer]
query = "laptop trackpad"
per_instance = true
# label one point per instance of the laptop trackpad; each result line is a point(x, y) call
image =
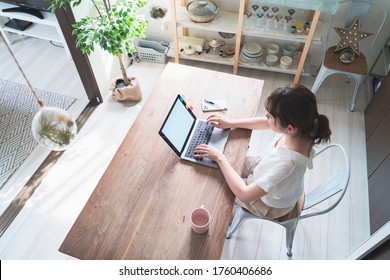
point(219, 137)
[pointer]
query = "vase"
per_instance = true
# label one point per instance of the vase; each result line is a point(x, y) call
point(53, 128)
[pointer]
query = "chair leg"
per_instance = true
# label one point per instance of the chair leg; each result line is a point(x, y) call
point(290, 232)
point(315, 74)
point(358, 80)
point(238, 219)
point(321, 75)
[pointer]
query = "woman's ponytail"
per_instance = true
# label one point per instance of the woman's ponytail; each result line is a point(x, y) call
point(321, 130)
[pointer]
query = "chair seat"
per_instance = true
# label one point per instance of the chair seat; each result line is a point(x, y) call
point(332, 61)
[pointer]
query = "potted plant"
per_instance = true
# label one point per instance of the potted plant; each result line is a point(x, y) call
point(113, 28)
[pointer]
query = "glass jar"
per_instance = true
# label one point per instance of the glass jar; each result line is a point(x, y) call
point(202, 10)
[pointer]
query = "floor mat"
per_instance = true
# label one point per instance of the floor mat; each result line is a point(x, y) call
point(17, 109)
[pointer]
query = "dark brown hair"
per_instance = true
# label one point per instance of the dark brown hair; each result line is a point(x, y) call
point(297, 106)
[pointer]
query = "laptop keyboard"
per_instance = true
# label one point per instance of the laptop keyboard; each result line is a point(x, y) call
point(202, 135)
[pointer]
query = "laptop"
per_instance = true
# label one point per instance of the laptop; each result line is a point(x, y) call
point(182, 131)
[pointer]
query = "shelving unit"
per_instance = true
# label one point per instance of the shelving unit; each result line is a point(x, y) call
point(229, 22)
point(46, 28)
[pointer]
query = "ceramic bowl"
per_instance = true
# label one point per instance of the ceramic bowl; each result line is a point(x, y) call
point(272, 48)
point(285, 61)
point(288, 50)
point(189, 50)
point(271, 60)
point(229, 51)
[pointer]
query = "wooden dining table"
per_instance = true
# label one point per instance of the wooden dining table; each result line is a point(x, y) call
point(141, 206)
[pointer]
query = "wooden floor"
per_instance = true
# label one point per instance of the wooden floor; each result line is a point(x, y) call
point(39, 229)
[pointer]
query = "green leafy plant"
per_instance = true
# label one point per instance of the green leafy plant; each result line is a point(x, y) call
point(116, 24)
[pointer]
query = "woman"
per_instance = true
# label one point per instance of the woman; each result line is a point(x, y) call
point(273, 184)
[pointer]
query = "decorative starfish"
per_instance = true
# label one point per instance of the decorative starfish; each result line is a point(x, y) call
point(350, 37)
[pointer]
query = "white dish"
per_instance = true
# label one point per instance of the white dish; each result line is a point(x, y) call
point(272, 48)
point(252, 55)
point(252, 48)
point(249, 59)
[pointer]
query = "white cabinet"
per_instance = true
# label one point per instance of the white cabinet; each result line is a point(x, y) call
point(46, 28)
point(233, 22)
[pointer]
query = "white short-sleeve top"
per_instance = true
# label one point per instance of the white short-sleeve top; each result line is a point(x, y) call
point(280, 173)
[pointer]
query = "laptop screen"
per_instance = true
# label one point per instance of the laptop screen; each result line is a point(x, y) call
point(177, 126)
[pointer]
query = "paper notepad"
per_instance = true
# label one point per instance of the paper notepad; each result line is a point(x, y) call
point(209, 105)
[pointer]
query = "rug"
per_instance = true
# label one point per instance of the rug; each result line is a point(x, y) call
point(17, 109)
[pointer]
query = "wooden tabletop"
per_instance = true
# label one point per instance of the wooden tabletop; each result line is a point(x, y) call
point(140, 208)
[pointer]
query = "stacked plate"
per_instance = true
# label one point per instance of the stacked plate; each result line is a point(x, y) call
point(252, 52)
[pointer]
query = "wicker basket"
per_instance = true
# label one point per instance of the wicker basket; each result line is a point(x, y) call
point(153, 49)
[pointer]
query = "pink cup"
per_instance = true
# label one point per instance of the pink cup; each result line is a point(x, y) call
point(200, 219)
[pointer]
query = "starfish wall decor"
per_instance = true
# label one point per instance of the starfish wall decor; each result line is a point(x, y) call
point(350, 37)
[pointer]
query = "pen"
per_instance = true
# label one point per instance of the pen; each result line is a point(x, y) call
point(215, 104)
point(210, 102)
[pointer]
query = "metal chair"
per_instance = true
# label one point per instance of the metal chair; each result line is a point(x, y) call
point(372, 18)
point(335, 183)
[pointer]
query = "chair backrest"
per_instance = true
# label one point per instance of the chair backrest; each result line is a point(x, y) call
point(336, 183)
point(372, 19)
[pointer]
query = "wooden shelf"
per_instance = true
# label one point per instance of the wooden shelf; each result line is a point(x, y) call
point(229, 22)
point(277, 68)
point(285, 36)
point(212, 58)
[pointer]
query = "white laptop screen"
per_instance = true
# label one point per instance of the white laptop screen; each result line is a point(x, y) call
point(178, 125)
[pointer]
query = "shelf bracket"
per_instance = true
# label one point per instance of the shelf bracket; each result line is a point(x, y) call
point(238, 36)
point(307, 46)
point(175, 34)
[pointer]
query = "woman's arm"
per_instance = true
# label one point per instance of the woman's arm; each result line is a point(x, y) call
point(249, 123)
point(236, 184)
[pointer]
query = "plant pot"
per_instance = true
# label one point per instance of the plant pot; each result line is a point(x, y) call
point(129, 95)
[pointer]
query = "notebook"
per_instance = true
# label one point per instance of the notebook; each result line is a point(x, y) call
point(182, 131)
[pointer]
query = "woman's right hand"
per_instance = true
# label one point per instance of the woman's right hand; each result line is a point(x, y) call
point(219, 121)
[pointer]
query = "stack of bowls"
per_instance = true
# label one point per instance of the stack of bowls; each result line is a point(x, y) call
point(252, 52)
point(271, 60)
point(285, 62)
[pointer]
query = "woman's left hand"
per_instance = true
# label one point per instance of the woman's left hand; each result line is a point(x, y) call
point(206, 151)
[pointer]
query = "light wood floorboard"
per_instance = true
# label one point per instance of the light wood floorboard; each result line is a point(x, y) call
point(42, 225)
